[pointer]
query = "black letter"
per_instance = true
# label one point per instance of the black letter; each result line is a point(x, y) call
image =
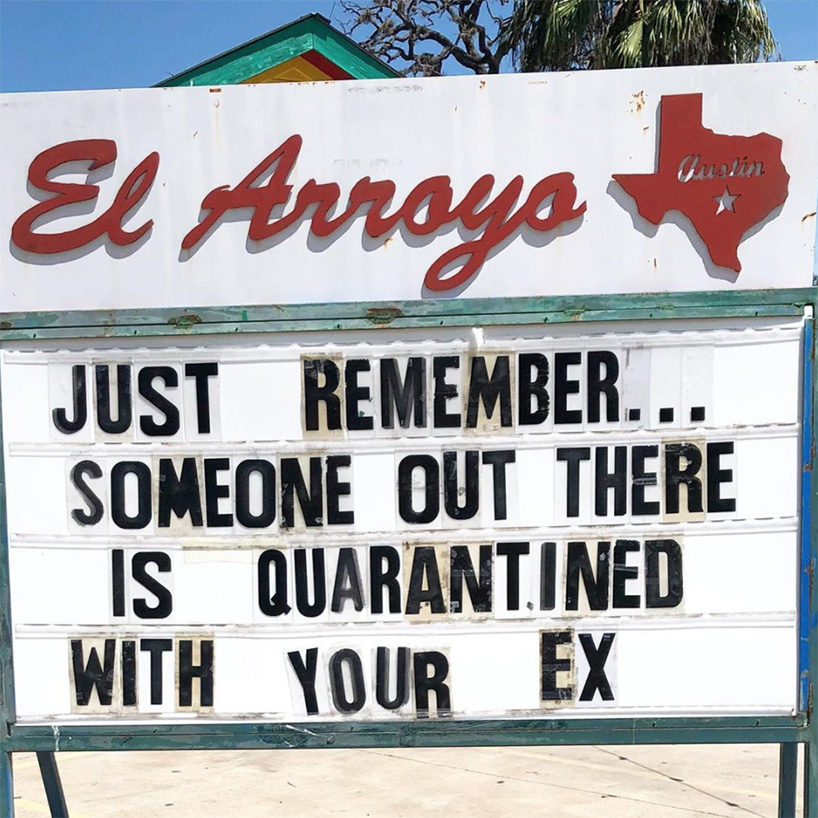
point(292, 483)
point(443, 391)
point(214, 490)
point(481, 387)
point(149, 426)
point(462, 566)
point(347, 581)
point(313, 393)
point(675, 583)
point(302, 601)
point(548, 576)
point(512, 551)
point(424, 563)
point(93, 675)
point(573, 456)
point(336, 676)
point(675, 476)
point(355, 393)
point(431, 506)
point(179, 494)
point(61, 421)
point(403, 397)
point(144, 509)
point(623, 572)
point(164, 603)
point(424, 683)
point(716, 476)
point(597, 385)
point(123, 399)
point(551, 665)
point(203, 671)
point(596, 589)
point(616, 481)
point(597, 680)
point(640, 478)
point(528, 389)
point(94, 513)
point(275, 604)
point(118, 581)
point(336, 490)
point(564, 387)
point(382, 679)
point(156, 647)
point(306, 675)
point(202, 372)
point(498, 460)
point(380, 578)
point(451, 487)
point(267, 471)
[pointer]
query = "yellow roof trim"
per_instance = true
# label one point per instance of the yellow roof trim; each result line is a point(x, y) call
point(296, 69)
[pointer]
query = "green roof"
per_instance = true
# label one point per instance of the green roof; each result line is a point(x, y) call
point(311, 33)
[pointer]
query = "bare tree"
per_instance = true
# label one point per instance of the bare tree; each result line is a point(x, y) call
point(417, 36)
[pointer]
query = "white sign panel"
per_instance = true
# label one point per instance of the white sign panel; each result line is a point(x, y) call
point(498, 522)
point(517, 185)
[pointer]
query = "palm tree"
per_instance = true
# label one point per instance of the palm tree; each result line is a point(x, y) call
point(562, 35)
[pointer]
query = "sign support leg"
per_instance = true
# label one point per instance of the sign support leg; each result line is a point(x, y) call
point(6, 783)
point(52, 784)
point(787, 774)
point(808, 703)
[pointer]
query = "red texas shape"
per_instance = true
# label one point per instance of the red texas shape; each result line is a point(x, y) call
point(724, 184)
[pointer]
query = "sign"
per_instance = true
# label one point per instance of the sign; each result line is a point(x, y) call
point(620, 182)
point(344, 406)
point(479, 522)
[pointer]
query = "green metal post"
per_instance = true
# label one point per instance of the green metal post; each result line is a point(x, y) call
point(53, 786)
point(787, 775)
point(6, 782)
point(811, 748)
point(7, 705)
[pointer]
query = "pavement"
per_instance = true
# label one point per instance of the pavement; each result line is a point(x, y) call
point(555, 782)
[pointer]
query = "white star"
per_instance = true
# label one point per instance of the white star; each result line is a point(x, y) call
point(726, 201)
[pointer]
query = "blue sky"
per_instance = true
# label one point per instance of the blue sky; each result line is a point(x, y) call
point(50, 45)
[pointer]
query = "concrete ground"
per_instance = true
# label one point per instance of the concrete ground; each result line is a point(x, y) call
point(559, 782)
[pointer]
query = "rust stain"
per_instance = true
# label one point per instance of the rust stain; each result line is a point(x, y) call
point(215, 90)
point(808, 216)
point(482, 84)
point(383, 315)
point(183, 322)
point(639, 100)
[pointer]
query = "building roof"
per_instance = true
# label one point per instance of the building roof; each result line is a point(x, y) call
point(308, 49)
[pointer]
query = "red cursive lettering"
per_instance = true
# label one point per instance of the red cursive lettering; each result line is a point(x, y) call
point(498, 218)
point(99, 153)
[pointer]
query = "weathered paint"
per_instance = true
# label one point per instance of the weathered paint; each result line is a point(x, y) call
point(588, 240)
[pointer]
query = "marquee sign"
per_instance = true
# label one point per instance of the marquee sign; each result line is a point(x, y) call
point(498, 523)
point(465, 410)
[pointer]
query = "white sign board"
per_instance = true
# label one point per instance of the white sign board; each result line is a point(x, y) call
point(488, 522)
point(516, 185)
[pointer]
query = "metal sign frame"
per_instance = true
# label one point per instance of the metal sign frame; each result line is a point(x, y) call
point(788, 731)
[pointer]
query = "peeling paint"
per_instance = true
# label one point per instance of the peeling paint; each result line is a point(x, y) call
point(383, 315)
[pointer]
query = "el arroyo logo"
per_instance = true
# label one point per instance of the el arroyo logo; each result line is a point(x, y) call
point(724, 184)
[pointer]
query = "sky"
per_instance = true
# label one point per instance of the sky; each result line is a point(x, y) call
point(55, 45)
